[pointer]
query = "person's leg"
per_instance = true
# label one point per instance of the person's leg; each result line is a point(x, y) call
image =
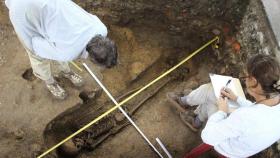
point(64, 67)
point(201, 95)
point(72, 76)
point(205, 98)
point(207, 104)
point(41, 69)
point(204, 111)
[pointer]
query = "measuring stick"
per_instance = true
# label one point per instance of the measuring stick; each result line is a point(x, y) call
point(163, 148)
point(121, 109)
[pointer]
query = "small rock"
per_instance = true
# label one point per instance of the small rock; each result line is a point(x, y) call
point(261, 37)
point(223, 70)
point(35, 147)
point(216, 32)
point(255, 25)
point(2, 60)
point(19, 134)
point(197, 23)
point(236, 47)
point(136, 69)
point(167, 6)
point(90, 95)
point(266, 50)
point(119, 117)
point(180, 18)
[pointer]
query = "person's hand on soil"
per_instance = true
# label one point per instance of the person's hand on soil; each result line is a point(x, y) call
point(222, 104)
point(229, 94)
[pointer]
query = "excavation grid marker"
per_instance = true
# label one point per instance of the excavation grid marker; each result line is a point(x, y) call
point(216, 39)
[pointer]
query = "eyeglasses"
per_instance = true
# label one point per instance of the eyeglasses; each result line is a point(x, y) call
point(243, 78)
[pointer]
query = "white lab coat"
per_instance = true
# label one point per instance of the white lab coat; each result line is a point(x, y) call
point(245, 132)
point(54, 29)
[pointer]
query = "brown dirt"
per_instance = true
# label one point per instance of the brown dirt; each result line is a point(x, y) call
point(26, 106)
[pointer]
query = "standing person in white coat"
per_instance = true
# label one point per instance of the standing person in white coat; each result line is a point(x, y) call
point(59, 30)
point(249, 129)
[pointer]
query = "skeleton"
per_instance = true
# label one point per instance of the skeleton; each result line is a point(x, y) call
point(76, 117)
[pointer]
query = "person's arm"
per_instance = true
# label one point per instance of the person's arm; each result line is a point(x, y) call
point(102, 29)
point(46, 49)
point(220, 128)
point(244, 102)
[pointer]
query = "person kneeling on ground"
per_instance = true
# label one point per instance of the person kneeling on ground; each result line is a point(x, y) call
point(250, 128)
point(60, 30)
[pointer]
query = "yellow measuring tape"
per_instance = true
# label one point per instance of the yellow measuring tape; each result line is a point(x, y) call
point(76, 66)
point(130, 97)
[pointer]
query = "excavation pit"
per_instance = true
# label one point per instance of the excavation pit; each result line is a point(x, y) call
point(152, 36)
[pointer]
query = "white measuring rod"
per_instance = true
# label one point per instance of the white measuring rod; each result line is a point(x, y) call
point(121, 109)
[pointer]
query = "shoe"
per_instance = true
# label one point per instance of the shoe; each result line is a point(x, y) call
point(57, 91)
point(175, 99)
point(191, 120)
point(76, 79)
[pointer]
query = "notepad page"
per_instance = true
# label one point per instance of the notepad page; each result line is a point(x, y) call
point(220, 81)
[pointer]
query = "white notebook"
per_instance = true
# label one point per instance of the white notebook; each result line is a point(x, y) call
point(220, 81)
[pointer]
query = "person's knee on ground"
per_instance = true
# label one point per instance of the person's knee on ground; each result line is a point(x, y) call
point(102, 51)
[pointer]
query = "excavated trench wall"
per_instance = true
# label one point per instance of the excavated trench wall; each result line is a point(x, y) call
point(241, 24)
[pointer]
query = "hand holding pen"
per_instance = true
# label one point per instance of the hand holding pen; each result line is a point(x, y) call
point(226, 92)
point(222, 101)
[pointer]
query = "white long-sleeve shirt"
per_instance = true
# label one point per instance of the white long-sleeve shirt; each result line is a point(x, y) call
point(54, 29)
point(245, 132)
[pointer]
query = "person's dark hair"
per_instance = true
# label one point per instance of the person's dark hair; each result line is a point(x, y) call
point(266, 70)
point(103, 51)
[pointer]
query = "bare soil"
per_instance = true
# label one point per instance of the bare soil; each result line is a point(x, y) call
point(26, 106)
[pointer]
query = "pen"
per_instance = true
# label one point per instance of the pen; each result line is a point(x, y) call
point(228, 82)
